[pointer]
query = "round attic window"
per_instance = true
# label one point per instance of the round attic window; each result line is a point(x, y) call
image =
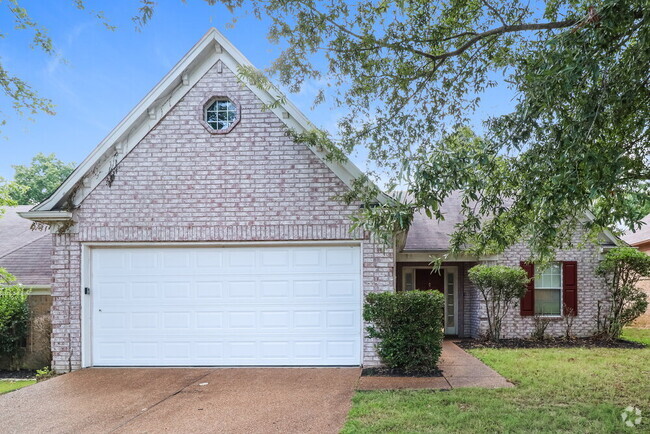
point(221, 114)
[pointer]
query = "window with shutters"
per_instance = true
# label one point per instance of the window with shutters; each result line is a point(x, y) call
point(552, 290)
point(548, 290)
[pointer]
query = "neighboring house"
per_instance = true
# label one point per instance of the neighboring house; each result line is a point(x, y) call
point(27, 254)
point(200, 233)
point(641, 240)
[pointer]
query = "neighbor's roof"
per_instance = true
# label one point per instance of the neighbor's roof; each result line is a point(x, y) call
point(641, 236)
point(24, 252)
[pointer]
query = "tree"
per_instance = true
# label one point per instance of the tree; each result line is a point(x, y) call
point(411, 73)
point(14, 316)
point(622, 268)
point(39, 179)
point(500, 287)
point(6, 190)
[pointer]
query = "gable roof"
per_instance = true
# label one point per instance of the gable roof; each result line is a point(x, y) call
point(429, 235)
point(641, 236)
point(24, 252)
point(212, 48)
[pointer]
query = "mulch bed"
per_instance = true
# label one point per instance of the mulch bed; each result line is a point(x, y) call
point(469, 344)
point(23, 374)
point(388, 372)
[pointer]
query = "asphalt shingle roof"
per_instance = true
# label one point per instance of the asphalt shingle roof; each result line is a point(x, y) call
point(25, 253)
point(642, 235)
point(428, 234)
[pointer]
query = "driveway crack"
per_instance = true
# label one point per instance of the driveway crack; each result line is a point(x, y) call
point(128, 421)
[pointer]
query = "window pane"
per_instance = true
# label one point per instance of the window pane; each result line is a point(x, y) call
point(547, 301)
point(221, 114)
point(551, 277)
point(409, 281)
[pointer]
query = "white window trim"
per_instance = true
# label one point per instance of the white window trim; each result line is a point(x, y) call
point(551, 315)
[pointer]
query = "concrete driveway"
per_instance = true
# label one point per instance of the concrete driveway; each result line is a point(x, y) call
point(184, 400)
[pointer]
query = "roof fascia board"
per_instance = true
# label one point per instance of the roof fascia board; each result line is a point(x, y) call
point(46, 216)
point(125, 130)
point(141, 120)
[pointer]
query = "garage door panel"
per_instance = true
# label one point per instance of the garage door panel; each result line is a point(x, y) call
point(213, 306)
point(229, 320)
point(246, 351)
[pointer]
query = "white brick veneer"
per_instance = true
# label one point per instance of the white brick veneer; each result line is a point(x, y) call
point(590, 290)
point(181, 183)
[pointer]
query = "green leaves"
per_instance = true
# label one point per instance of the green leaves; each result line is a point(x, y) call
point(410, 75)
point(622, 268)
point(409, 327)
point(500, 287)
point(34, 183)
point(14, 314)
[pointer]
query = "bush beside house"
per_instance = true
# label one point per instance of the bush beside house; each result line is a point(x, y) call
point(500, 288)
point(409, 326)
point(14, 319)
point(622, 268)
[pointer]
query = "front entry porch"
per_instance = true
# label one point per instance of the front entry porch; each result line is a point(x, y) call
point(449, 280)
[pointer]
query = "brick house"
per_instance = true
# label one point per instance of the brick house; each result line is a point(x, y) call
point(641, 240)
point(199, 233)
point(26, 254)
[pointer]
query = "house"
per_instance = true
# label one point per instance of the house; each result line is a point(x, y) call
point(200, 233)
point(26, 254)
point(641, 240)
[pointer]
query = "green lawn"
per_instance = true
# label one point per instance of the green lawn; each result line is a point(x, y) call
point(569, 390)
point(8, 386)
point(637, 335)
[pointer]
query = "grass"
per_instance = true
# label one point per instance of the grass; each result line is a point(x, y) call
point(637, 335)
point(8, 386)
point(568, 390)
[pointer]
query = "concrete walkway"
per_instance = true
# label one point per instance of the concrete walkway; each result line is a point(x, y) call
point(459, 369)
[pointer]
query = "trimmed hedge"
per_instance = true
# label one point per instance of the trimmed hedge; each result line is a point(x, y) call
point(409, 326)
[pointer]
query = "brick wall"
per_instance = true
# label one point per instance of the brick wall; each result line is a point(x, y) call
point(181, 183)
point(590, 291)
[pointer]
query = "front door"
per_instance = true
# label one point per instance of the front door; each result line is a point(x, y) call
point(426, 280)
point(445, 280)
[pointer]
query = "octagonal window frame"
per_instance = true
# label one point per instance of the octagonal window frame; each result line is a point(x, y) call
point(207, 102)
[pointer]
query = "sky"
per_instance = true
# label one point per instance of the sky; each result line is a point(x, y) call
point(100, 75)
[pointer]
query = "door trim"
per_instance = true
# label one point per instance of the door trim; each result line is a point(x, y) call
point(445, 269)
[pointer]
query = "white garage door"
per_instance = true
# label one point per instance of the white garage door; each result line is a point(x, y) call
point(204, 306)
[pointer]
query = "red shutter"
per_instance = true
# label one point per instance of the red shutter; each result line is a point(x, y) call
point(570, 286)
point(527, 305)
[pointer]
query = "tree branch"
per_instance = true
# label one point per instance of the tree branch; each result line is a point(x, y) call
point(500, 31)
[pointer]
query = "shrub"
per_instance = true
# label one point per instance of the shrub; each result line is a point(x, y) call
point(409, 326)
point(14, 316)
point(500, 287)
point(569, 318)
point(540, 324)
point(44, 374)
point(622, 268)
